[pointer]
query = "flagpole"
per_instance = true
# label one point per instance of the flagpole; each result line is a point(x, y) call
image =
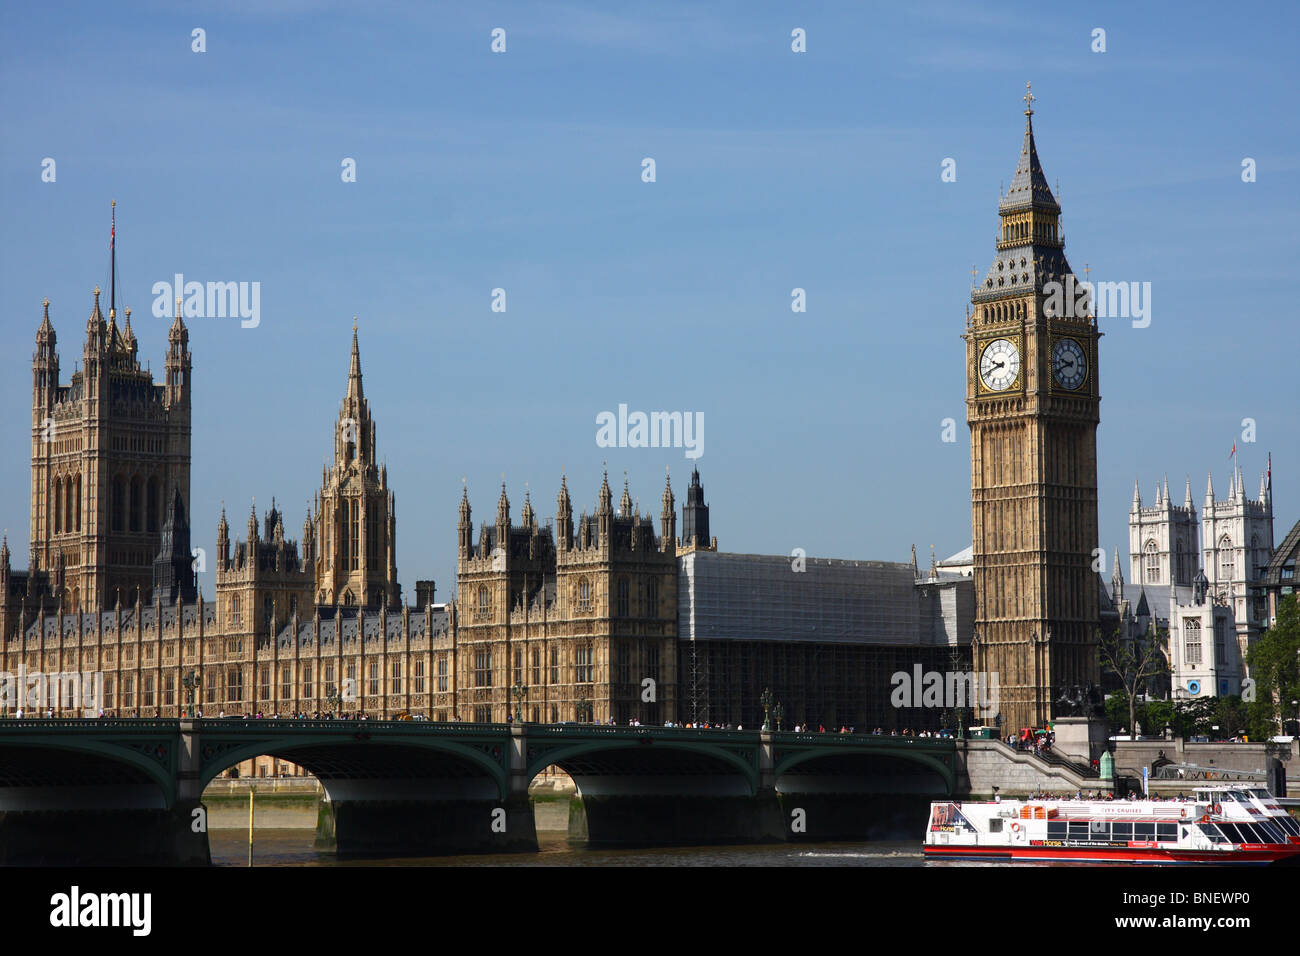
point(112, 254)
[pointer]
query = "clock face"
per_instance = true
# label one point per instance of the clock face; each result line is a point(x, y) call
point(1069, 363)
point(1000, 365)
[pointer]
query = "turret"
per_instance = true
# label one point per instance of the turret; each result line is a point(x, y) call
point(223, 542)
point(178, 360)
point(563, 518)
point(668, 519)
point(625, 502)
point(464, 528)
point(45, 365)
point(695, 515)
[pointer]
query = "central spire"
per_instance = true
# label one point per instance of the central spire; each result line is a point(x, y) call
point(354, 370)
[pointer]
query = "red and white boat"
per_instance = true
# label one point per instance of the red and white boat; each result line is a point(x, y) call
point(1107, 831)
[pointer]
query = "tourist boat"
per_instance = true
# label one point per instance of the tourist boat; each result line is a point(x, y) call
point(1234, 803)
point(1107, 831)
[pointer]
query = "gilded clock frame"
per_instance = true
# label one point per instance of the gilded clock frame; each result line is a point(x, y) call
point(1015, 388)
point(1089, 346)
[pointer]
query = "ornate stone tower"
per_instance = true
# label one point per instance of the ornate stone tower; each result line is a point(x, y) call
point(1162, 539)
point(1032, 405)
point(110, 451)
point(355, 544)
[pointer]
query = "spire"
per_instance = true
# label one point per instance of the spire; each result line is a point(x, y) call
point(1029, 184)
point(1137, 495)
point(45, 332)
point(1165, 493)
point(354, 369)
point(562, 502)
point(669, 502)
point(252, 522)
point(503, 509)
point(1263, 487)
point(464, 504)
point(1209, 487)
point(527, 516)
point(606, 496)
point(112, 258)
point(625, 502)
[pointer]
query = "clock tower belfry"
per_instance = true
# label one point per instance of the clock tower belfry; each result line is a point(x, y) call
point(1032, 403)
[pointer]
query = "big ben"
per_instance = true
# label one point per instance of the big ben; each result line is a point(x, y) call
point(1032, 403)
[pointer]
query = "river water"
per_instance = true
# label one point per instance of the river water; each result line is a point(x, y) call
point(294, 848)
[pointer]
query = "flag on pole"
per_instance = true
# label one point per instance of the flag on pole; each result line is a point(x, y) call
point(1233, 453)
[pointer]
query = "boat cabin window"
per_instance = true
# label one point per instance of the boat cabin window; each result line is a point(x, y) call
point(1099, 830)
point(1122, 831)
point(1144, 831)
point(995, 825)
point(1214, 833)
point(1167, 832)
point(1078, 829)
point(1230, 831)
point(947, 816)
point(1055, 830)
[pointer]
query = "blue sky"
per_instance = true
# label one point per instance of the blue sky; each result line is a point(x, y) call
point(775, 170)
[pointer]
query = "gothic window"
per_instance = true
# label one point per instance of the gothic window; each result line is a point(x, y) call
point(582, 664)
point(442, 673)
point(652, 597)
point(152, 505)
point(372, 541)
point(135, 504)
point(1220, 641)
point(148, 691)
point(484, 600)
point(58, 506)
point(356, 533)
point(286, 683)
point(1192, 643)
point(76, 491)
point(268, 610)
point(555, 665)
point(622, 663)
point(624, 603)
point(169, 690)
point(308, 686)
point(235, 684)
point(419, 676)
point(1153, 562)
point(345, 547)
point(329, 680)
point(519, 666)
point(234, 609)
point(264, 679)
point(396, 687)
point(584, 594)
point(537, 666)
point(1226, 563)
point(483, 667)
point(119, 495)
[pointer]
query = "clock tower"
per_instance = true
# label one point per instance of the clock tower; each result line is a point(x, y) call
point(1032, 405)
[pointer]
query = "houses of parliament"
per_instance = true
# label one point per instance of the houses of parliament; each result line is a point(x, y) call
point(612, 615)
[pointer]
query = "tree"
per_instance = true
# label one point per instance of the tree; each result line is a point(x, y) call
point(1135, 663)
point(1275, 666)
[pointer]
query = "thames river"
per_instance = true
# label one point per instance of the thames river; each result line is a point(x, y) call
point(294, 848)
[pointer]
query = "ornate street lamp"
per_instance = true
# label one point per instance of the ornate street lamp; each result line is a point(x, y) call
point(583, 705)
point(520, 692)
point(779, 713)
point(191, 682)
point(766, 700)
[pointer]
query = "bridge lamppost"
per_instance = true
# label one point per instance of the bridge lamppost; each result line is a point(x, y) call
point(583, 706)
point(766, 701)
point(520, 692)
point(779, 713)
point(191, 682)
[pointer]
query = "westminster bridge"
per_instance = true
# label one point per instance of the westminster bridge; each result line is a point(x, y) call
point(114, 791)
